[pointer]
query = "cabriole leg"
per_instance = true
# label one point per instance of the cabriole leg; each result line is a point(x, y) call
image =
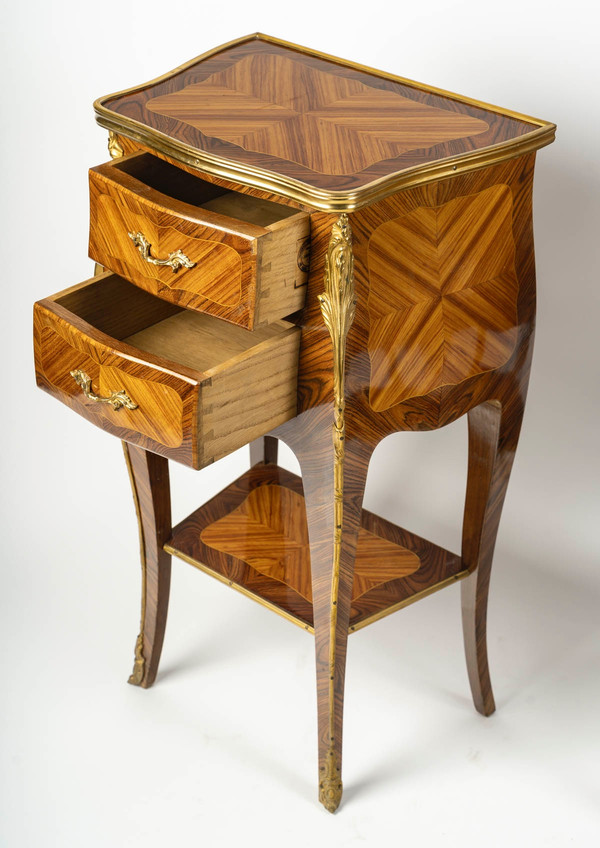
point(493, 435)
point(333, 514)
point(334, 469)
point(149, 475)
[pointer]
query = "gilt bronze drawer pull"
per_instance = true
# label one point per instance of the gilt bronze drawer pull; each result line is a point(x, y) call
point(116, 399)
point(175, 260)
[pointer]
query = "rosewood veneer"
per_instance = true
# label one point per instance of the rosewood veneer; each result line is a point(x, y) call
point(293, 247)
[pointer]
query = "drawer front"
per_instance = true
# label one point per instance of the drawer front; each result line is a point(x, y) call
point(163, 419)
point(213, 258)
point(176, 382)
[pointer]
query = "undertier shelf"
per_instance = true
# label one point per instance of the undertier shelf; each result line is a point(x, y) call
point(253, 536)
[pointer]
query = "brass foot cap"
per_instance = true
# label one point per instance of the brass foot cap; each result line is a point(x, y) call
point(330, 784)
point(330, 797)
point(137, 675)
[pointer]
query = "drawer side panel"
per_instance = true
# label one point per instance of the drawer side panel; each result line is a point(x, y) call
point(250, 398)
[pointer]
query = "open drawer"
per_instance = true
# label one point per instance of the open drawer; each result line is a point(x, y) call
point(179, 383)
point(196, 244)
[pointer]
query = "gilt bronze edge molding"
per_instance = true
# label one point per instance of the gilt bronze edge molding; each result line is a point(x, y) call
point(242, 589)
point(317, 199)
point(328, 201)
point(336, 60)
point(430, 590)
point(338, 306)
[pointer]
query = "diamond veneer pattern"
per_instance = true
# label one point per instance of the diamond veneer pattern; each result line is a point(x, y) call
point(443, 296)
point(269, 532)
point(274, 105)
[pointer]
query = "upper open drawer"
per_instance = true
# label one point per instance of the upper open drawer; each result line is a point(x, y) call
point(196, 244)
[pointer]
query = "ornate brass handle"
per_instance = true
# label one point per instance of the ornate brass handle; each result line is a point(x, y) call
point(175, 260)
point(116, 399)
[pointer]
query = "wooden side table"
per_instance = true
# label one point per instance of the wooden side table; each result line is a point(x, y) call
point(293, 247)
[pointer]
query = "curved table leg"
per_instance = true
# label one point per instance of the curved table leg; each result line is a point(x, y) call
point(493, 435)
point(149, 475)
point(333, 536)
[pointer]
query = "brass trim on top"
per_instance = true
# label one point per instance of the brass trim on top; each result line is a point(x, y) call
point(330, 201)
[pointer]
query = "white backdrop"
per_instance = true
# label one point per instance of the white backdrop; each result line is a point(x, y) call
point(223, 748)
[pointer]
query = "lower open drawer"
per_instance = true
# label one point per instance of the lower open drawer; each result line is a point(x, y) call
point(183, 384)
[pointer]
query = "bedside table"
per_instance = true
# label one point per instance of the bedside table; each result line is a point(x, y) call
point(293, 247)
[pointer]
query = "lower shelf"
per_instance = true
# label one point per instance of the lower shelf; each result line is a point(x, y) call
point(253, 536)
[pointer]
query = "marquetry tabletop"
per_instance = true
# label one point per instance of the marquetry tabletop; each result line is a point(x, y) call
point(312, 127)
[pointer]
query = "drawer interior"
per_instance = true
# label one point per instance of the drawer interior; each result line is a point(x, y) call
point(193, 339)
point(178, 184)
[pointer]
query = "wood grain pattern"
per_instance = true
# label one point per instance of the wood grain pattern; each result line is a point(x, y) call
point(436, 405)
point(264, 450)
point(443, 296)
point(202, 343)
point(494, 430)
point(203, 388)
point(131, 145)
point(268, 532)
point(149, 477)
point(269, 104)
point(165, 420)
point(283, 264)
point(330, 126)
point(159, 408)
point(250, 396)
point(254, 534)
point(309, 435)
point(245, 267)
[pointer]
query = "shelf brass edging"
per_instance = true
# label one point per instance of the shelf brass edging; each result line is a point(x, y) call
point(405, 603)
point(222, 579)
point(329, 201)
point(298, 621)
